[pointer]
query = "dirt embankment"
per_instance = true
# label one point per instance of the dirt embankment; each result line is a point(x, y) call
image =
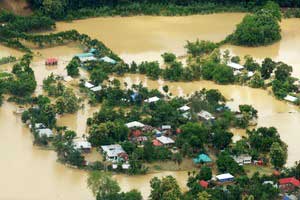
point(20, 7)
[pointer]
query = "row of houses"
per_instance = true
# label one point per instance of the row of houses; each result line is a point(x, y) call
point(79, 143)
point(221, 178)
point(285, 185)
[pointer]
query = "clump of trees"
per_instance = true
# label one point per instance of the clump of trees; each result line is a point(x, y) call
point(44, 112)
point(104, 187)
point(66, 153)
point(8, 59)
point(66, 100)
point(226, 164)
point(151, 69)
point(73, 67)
point(164, 189)
point(267, 140)
point(247, 114)
point(200, 48)
point(21, 83)
point(218, 72)
point(168, 57)
point(260, 28)
point(283, 83)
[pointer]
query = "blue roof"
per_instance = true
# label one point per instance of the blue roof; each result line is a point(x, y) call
point(92, 50)
point(134, 96)
point(82, 55)
point(202, 158)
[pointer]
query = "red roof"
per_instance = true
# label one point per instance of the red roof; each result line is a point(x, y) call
point(51, 59)
point(156, 143)
point(123, 155)
point(203, 183)
point(291, 180)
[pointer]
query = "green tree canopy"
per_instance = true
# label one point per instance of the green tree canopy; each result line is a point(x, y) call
point(166, 188)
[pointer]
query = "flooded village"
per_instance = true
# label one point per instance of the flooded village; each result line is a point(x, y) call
point(31, 171)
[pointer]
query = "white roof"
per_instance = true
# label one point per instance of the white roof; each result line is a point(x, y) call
point(67, 78)
point(186, 115)
point(125, 166)
point(96, 89)
point(45, 131)
point(37, 125)
point(206, 115)
point(114, 166)
point(152, 99)
point(88, 85)
point(108, 59)
point(290, 98)
point(250, 74)
point(112, 150)
point(82, 144)
point(165, 140)
point(88, 58)
point(135, 124)
point(224, 176)
point(235, 66)
point(184, 108)
point(165, 127)
point(236, 73)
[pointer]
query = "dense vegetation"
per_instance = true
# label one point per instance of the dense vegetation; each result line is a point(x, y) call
point(86, 8)
point(260, 28)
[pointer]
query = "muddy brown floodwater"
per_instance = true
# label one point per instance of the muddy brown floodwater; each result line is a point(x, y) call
point(146, 38)
point(29, 173)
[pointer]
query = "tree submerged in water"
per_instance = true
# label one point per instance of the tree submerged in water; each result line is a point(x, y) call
point(260, 28)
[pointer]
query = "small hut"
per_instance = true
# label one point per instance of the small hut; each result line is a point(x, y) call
point(51, 61)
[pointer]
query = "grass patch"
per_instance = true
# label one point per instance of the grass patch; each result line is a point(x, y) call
point(263, 170)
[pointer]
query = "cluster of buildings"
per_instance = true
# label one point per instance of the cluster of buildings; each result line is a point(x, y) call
point(287, 186)
point(41, 130)
point(237, 69)
point(92, 87)
point(161, 134)
point(90, 56)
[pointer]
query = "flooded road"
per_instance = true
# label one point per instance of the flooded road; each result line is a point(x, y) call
point(30, 173)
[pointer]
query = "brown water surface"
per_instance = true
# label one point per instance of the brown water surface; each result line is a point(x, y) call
point(31, 173)
point(146, 38)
